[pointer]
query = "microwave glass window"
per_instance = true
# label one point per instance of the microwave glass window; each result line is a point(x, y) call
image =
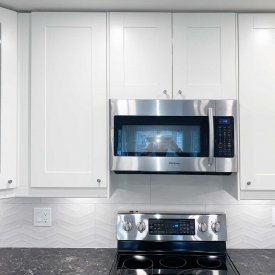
point(157, 137)
point(152, 140)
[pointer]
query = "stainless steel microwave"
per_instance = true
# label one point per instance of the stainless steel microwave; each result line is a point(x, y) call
point(174, 136)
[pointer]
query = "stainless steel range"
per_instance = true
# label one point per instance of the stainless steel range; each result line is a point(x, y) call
point(172, 243)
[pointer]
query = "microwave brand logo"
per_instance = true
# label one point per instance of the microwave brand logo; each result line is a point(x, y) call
point(173, 163)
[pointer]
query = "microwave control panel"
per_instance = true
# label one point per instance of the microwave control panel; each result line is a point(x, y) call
point(224, 137)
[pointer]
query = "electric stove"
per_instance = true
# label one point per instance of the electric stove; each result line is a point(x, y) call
point(172, 243)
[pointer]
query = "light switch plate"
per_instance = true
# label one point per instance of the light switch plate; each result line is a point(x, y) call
point(42, 217)
point(273, 216)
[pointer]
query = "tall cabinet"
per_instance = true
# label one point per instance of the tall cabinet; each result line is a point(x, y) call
point(257, 97)
point(68, 100)
point(8, 99)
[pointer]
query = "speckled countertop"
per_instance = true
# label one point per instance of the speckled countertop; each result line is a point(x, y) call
point(254, 261)
point(36, 261)
point(55, 261)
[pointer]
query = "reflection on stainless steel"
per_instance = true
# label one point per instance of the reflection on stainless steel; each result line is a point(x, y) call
point(183, 108)
point(162, 164)
point(136, 218)
point(163, 107)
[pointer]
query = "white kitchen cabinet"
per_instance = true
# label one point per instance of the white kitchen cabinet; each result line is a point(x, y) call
point(8, 99)
point(204, 56)
point(140, 55)
point(68, 100)
point(203, 51)
point(257, 97)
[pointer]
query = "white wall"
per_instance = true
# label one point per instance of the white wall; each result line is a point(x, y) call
point(91, 222)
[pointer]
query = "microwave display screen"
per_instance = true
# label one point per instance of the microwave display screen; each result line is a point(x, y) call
point(224, 121)
point(160, 139)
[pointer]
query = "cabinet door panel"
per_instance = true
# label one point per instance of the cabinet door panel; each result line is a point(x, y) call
point(257, 97)
point(140, 55)
point(68, 100)
point(8, 94)
point(204, 56)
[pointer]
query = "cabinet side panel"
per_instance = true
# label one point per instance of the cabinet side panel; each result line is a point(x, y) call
point(8, 165)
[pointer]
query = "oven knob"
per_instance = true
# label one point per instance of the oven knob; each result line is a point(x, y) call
point(216, 227)
point(127, 226)
point(203, 227)
point(141, 226)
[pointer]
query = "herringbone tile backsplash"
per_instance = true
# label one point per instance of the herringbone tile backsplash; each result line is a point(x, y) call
point(91, 222)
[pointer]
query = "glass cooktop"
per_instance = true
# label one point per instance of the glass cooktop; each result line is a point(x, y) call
point(175, 263)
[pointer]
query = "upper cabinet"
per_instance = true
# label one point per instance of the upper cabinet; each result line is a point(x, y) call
point(204, 56)
point(257, 97)
point(68, 100)
point(198, 51)
point(140, 55)
point(8, 99)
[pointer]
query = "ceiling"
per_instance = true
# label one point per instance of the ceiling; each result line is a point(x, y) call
point(140, 5)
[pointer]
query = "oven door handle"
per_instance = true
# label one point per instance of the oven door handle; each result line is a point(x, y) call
point(211, 136)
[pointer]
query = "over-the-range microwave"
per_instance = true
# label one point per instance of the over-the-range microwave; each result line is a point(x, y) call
point(173, 136)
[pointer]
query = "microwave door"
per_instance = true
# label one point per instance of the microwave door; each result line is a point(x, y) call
point(163, 144)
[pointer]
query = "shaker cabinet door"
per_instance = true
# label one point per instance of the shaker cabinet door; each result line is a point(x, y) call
point(8, 99)
point(68, 100)
point(140, 55)
point(257, 97)
point(204, 56)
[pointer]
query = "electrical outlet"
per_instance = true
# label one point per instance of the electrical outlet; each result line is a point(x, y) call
point(42, 217)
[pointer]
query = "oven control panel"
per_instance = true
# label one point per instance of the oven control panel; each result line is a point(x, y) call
point(224, 137)
point(171, 227)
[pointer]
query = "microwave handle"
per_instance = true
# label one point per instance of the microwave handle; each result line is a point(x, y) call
point(211, 136)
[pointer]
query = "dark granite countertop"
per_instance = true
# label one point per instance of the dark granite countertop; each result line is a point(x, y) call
point(253, 261)
point(82, 261)
point(55, 261)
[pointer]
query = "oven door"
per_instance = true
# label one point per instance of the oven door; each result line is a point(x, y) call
point(162, 136)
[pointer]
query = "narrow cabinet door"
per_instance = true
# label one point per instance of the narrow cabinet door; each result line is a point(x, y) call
point(68, 100)
point(140, 55)
point(204, 56)
point(257, 97)
point(8, 99)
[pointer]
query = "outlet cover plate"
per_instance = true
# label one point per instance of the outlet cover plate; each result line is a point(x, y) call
point(42, 217)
